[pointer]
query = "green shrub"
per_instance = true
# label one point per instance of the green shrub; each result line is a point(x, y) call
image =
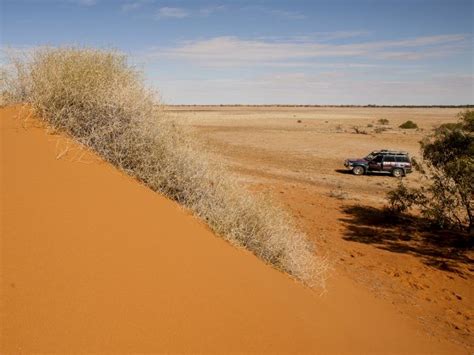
point(96, 97)
point(447, 166)
point(383, 121)
point(403, 198)
point(408, 125)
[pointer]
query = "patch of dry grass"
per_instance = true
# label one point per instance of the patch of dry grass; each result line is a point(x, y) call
point(96, 97)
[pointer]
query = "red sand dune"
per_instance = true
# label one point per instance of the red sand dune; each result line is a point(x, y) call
point(94, 262)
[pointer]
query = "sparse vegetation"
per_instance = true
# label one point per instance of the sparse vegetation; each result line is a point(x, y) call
point(383, 121)
point(96, 97)
point(338, 194)
point(380, 129)
point(358, 130)
point(409, 125)
point(447, 165)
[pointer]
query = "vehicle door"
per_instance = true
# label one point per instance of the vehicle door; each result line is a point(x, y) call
point(404, 162)
point(388, 163)
point(376, 163)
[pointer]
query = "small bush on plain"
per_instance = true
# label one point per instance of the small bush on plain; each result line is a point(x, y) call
point(96, 97)
point(383, 121)
point(358, 130)
point(408, 125)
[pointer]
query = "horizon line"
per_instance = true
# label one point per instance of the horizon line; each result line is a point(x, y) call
point(329, 105)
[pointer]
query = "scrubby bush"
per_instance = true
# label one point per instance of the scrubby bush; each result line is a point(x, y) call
point(408, 125)
point(380, 129)
point(358, 130)
point(383, 121)
point(447, 196)
point(404, 198)
point(96, 97)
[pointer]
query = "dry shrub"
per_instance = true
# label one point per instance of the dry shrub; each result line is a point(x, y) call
point(380, 129)
point(339, 194)
point(408, 125)
point(358, 130)
point(96, 97)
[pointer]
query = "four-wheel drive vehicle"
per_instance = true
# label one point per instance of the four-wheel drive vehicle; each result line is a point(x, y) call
point(381, 161)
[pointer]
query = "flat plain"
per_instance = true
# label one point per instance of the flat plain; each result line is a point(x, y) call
point(296, 155)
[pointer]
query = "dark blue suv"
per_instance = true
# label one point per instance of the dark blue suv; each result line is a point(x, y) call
point(381, 161)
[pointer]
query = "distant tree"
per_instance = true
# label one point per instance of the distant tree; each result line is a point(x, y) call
point(383, 121)
point(447, 165)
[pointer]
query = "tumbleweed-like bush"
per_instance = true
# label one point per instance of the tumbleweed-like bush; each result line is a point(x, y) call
point(99, 99)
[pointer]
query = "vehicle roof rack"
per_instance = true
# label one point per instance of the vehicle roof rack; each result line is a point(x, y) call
point(387, 151)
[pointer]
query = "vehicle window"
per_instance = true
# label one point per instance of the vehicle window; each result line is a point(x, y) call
point(403, 159)
point(389, 158)
point(378, 159)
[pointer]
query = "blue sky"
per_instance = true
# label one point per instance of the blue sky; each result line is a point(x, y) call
point(265, 52)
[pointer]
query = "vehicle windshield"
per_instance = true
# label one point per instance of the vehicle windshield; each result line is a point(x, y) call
point(369, 157)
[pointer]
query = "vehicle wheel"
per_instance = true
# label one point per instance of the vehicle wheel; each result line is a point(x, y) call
point(397, 173)
point(358, 170)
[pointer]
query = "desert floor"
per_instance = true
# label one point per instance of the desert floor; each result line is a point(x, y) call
point(92, 261)
point(297, 154)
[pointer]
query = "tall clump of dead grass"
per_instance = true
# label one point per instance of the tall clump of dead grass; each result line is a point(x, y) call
point(96, 97)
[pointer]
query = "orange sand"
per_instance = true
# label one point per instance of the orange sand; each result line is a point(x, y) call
point(91, 261)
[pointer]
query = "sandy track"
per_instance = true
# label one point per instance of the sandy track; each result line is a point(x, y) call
point(91, 261)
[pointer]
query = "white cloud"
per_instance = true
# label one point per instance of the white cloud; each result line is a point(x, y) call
point(316, 37)
point(209, 10)
point(329, 36)
point(131, 6)
point(172, 12)
point(327, 88)
point(180, 13)
point(233, 51)
point(313, 69)
point(272, 12)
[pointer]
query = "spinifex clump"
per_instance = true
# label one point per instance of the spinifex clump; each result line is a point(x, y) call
point(97, 98)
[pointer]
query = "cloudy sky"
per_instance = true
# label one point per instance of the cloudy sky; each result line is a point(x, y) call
point(264, 52)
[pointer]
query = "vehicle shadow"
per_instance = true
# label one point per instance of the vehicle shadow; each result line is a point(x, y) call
point(349, 172)
point(344, 171)
point(445, 250)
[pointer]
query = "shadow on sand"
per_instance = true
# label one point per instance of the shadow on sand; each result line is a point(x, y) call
point(344, 171)
point(349, 172)
point(444, 250)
